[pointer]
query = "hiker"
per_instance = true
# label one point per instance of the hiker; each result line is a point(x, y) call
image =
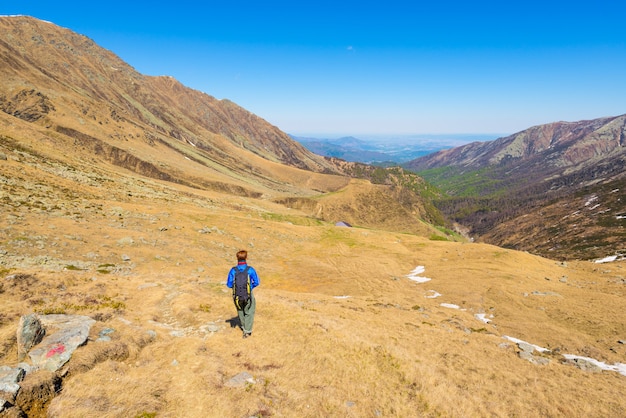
point(242, 278)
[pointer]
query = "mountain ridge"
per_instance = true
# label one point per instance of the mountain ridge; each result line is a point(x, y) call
point(64, 86)
point(501, 188)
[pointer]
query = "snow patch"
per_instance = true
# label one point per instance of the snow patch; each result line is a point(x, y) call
point(342, 297)
point(482, 317)
point(618, 367)
point(450, 305)
point(591, 200)
point(606, 259)
point(518, 341)
point(431, 294)
point(415, 275)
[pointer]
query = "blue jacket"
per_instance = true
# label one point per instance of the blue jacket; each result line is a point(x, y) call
point(254, 278)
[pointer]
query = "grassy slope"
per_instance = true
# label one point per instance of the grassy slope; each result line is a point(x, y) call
point(387, 350)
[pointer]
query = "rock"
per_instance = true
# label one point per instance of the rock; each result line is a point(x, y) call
point(103, 336)
point(9, 379)
point(585, 365)
point(3, 157)
point(30, 332)
point(240, 380)
point(57, 347)
point(212, 328)
point(125, 241)
point(525, 347)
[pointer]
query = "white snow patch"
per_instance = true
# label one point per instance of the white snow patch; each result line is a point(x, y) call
point(614, 190)
point(415, 275)
point(517, 341)
point(431, 294)
point(606, 259)
point(594, 206)
point(450, 305)
point(618, 367)
point(591, 200)
point(482, 317)
point(620, 217)
point(342, 297)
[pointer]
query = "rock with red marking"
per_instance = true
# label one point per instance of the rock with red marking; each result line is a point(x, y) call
point(64, 334)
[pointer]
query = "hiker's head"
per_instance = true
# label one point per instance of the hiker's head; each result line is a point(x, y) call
point(242, 255)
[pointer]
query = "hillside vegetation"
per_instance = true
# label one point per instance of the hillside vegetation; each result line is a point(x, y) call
point(533, 190)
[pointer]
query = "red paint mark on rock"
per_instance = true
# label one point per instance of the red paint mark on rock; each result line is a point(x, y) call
point(57, 349)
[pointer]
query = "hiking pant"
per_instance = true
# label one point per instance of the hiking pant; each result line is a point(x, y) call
point(246, 315)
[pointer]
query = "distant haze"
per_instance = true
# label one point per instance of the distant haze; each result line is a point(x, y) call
point(386, 148)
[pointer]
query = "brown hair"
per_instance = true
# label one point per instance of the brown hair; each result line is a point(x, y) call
point(242, 255)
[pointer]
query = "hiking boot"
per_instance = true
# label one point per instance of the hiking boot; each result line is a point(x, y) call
point(247, 334)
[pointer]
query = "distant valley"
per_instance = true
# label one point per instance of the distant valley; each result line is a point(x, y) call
point(527, 191)
point(386, 150)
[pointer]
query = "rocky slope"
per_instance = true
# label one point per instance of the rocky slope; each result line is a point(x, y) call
point(520, 191)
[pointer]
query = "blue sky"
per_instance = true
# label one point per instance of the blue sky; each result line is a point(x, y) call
point(369, 68)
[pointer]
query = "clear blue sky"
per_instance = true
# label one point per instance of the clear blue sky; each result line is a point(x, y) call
point(363, 67)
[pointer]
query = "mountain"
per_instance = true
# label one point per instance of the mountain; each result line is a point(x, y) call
point(110, 212)
point(76, 101)
point(530, 190)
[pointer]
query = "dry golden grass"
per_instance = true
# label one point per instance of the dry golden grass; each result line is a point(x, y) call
point(387, 350)
point(340, 329)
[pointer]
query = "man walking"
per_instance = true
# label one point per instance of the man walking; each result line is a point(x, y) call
point(242, 278)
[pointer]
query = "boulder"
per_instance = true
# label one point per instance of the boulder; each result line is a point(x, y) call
point(9, 383)
point(71, 331)
point(30, 332)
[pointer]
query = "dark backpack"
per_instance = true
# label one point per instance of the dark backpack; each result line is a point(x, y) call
point(241, 287)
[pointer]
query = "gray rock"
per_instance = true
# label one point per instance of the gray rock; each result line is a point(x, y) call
point(525, 355)
point(71, 331)
point(538, 293)
point(525, 347)
point(9, 379)
point(30, 332)
point(585, 365)
point(240, 380)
